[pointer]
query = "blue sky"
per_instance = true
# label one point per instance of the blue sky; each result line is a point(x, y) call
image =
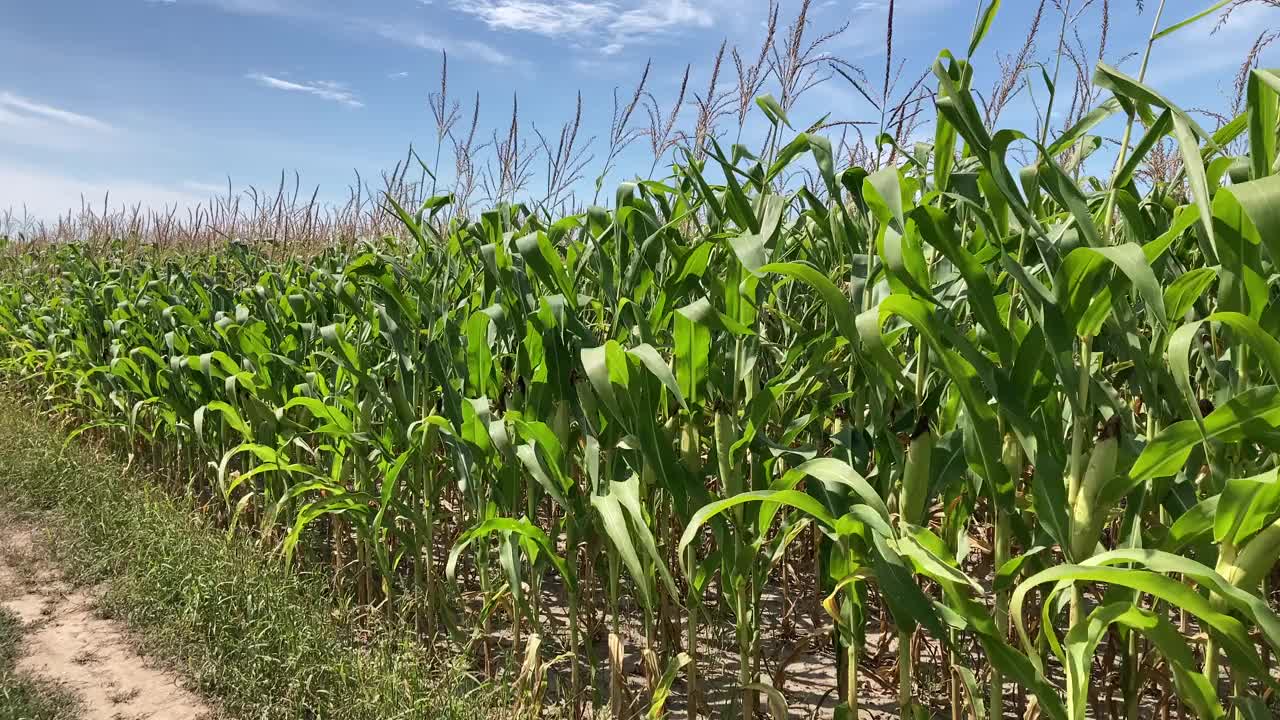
point(160, 101)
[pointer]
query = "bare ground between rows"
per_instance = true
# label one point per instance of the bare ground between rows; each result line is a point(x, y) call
point(796, 657)
point(68, 642)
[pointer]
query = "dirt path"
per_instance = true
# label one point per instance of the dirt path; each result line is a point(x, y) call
point(68, 643)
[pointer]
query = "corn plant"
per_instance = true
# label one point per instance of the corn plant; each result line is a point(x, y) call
point(1023, 423)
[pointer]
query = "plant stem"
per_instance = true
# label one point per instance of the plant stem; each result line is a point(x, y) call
point(1001, 555)
point(905, 671)
point(744, 651)
point(851, 679)
point(1083, 418)
point(691, 643)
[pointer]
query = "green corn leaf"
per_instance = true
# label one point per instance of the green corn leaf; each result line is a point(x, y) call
point(1192, 20)
point(1243, 328)
point(985, 20)
point(1253, 411)
point(1230, 631)
point(1083, 639)
point(615, 528)
point(1186, 290)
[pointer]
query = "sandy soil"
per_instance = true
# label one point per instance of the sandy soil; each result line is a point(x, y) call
point(68, 643)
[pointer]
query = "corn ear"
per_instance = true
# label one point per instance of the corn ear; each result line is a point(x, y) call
point(914, 497)
point(732, 479)
point(1086, 517)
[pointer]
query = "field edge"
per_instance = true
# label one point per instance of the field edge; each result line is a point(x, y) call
point(252, 637)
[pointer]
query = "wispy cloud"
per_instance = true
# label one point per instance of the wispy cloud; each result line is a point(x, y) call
point(386, 25)
point(655, 16)
point(18, 110)
point(206, 188)
point(398, 75)
point(545, 17)
point(283, 8)
point(259, 7)
point(421, 39)
point(910, 19)
point(485, 52)
point(1209, 50)
point(616, 24)
point(323, 89)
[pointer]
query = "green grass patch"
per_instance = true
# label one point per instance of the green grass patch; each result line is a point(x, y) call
point(260, 640)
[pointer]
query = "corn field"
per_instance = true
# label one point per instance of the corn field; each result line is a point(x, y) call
point(973, 442)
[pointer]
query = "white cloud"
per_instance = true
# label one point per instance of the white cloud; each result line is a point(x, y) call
point(259, 7)
point(45, 195)
point(656, 16)
point(545, 17)
point(398, 75)
point(485, 52)
point(427, 41)
point(618, 24)
point(18, 110)
point(29, 123)
point(323, 89)
point(340, 16)
point(206, 188)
